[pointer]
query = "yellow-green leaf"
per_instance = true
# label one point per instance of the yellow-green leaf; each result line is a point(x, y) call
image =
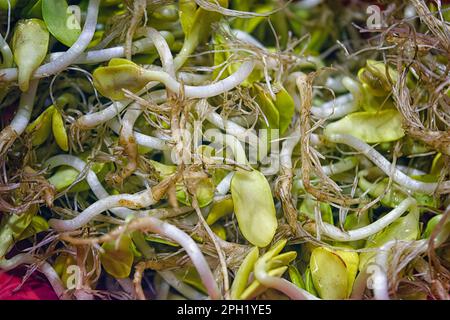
point(187, 9)
point(117, 261)
point(41, 127)
point(30, 45)
point(243, 273)
point(61, 21)
point(219, 210)
point(271, 117)
point(254, 207)
point(12, 226)
point(405, 228)
point(286, 108)
point(119, 74)
point(329, 274)
point(351, 260)
point(59, 131)
point(371, 127)
point(37, 224)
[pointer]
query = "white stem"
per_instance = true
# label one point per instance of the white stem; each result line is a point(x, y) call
point(379, 276)
point(44, 267)
point(205, 91)
point(230, 141)
point(364, 232)
point(180, 286)
point(336, 108)
point(91, 179)
point(335, 168)
point(224, 186)
point(282, 285)
point(70, 55)
point(245, 37)
point(193, 251)
point(95, 119)
point(381, 162)
point(23, 114)
point(99, 56)
point(141, 139)
point(287, 148)
point(231, 128)
point(137, 200)
point(163, 50)
point(128, 121)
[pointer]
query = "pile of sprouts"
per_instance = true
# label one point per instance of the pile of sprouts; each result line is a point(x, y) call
point(226, 149)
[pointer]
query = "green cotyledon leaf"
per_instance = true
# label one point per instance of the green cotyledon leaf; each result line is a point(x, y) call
point(254, 207)
point(191, 277)
point(286, 108)
point(220, 231)
point(307, 208)
point(404, 228)
point(271, 116)
point(41, 127)
point(309, 285)
point(444, 232)
point(199, 30)
point(117, 260)
point(204, 192)
point(186, 11)
point(119, 74)
point(242, 275)
point(371, 127)
point(61, 21)
point(32, 10)
point(296, 277)
point(329, 274)
point(62, 264)
point(30, 45)
point(220, 209)
point(351, 260)
point(356, 221)
point(395, 195)
point(59, 131)
point(12, 226)
point(37, 224)
point(65, 176)
point(377, 77)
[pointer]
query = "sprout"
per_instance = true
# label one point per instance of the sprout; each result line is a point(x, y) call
point(258, 117)
point(386, 167)
point(121, 74)
point(30, 36)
